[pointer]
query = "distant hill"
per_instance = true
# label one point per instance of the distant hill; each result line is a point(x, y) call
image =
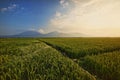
point(28, 34)
point(51, 34)
point(59, 34)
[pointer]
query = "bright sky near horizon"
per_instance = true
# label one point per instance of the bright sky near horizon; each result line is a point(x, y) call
point(100, 18)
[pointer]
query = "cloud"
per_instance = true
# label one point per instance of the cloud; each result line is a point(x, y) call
point(12, 7)
point(9, 8)
point(58, 14)
point(41, 31)
point(93, 17)
point(3, 9)
point(64, 3)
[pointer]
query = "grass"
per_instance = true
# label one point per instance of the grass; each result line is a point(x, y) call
point(80, 47)
point(59, 58)
point(106, 66)
point(30, 59)
point(99, 56)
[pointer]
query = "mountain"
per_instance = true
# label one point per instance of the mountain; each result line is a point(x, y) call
point(29, 34)
point(60, 34)
point(55, 34)
point(51, 34)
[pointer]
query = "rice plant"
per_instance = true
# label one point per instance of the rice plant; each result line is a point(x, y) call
point(30, 59)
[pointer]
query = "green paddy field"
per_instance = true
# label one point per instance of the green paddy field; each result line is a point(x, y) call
point(59, 58)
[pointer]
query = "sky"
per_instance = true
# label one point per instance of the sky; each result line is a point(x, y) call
point(96, 18)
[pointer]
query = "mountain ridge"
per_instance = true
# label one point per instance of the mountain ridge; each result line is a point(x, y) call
point(50, 34)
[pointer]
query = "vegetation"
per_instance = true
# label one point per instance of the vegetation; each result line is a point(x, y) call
point(30, 59)
point(106, 66)
point(47, 58)
point(80, 47)
point(99, 56)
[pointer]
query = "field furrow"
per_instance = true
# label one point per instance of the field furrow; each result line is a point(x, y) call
point(30, 59)
point(79, 47)
point(106, 66)
point(99, 56)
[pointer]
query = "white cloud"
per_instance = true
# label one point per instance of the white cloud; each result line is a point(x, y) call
point(58, 14)
point(32, 29)
point(64, 3)
point(9, 8)
point(3, 9)
point(41, 31)
point(93, 17)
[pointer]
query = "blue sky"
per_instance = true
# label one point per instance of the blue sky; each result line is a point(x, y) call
point(97, 18)
point(21, 15)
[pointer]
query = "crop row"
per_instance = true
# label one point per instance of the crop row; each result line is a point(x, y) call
point(25, 59)
point(80, 47)
point(100, 56)
point(106, 66)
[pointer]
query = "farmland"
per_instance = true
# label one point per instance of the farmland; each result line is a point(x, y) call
point(106, 66)
point(59, 58)
point(30, 59)
point(80, 47)
point(99, 56)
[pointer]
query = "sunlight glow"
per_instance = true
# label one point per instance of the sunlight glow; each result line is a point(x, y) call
point(92, 17)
